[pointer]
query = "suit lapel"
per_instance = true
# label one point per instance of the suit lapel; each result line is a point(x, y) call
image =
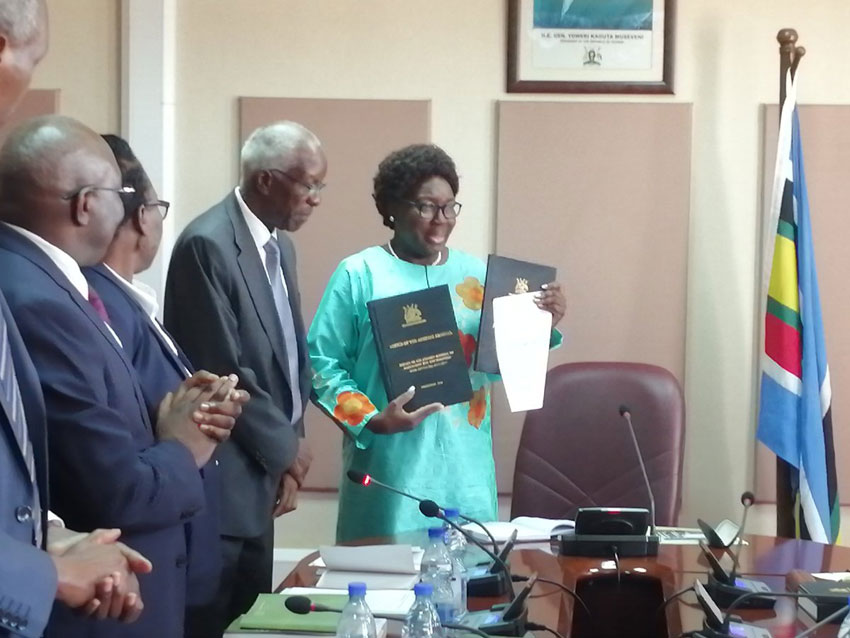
point(33, 406)
point(24, 247)
point(257, 283)
point(166, 348)
point(175, 360)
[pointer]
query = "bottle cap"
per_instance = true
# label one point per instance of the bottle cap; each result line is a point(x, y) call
point(423, 589)
point(356, 589)
point(452, 512)
point(436, 532)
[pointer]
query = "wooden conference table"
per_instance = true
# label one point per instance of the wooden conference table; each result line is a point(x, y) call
point(629, 608)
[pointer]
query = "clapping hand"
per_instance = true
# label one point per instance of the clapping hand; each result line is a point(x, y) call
point(96, 574)
point(193, 416)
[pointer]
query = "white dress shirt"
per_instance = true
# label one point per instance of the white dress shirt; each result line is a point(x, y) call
point(146, 298)
point(66, 264)
point(259, 233)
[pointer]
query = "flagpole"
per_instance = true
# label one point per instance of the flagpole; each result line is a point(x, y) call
point(789, 58)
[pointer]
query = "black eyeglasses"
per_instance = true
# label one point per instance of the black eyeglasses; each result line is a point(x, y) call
point(312, 189)
point(161, 205)
point(121, 190)
point(428, 210)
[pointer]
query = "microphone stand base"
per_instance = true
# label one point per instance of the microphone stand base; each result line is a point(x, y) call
point(738, 630)
point(493, 622)
point(489, 585)
point(604, 546)
point(725, 594)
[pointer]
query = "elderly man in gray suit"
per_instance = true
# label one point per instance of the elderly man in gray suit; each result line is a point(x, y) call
point(232, 303)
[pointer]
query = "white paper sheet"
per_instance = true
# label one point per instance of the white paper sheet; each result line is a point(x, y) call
point(356, 559)
point(529, 529)
point(523, 332)
point(838, 577)
point(333, 579)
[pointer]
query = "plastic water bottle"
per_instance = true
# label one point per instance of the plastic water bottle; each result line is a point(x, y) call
point(356, 620)
point(455, 541)
point(422, 620)
point(457, 545)
point(437, 571)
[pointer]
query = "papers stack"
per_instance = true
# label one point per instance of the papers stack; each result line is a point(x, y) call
point(379, 566)
point(529, 529)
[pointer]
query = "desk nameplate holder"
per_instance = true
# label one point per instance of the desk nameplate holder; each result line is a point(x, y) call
point(605, 532)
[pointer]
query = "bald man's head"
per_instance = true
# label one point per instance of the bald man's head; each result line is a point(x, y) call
point(23, 43)
point(59, 179)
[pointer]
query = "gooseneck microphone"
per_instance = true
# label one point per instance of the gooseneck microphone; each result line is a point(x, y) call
point(361, 478)
point(366, 480)
point(303, 605)
point(626, 413)
point(747, 500)
point(430, 509)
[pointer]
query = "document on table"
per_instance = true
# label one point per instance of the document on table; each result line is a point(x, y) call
point(529, 529)
point(379, 566)
point(391, 559)
point(523, 332)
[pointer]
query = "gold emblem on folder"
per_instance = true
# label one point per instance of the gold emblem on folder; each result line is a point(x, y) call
point(521, 286)
point(412, 316)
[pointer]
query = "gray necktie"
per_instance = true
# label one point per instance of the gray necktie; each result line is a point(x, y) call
point(10, 401)
point(287, 323)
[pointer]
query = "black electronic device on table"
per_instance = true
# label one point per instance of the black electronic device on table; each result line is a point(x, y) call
point(484, 579)
point(714, 625)
point(506, 619)
point(605, 531)
point(726, 587)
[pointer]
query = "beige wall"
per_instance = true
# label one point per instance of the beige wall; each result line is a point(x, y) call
point(83, 61)
point(453, 53)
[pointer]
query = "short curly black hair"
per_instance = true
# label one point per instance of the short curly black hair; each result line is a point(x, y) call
point(132, 173)
point(402, 171)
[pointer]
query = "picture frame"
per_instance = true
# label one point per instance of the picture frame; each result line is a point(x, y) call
point(591, 46)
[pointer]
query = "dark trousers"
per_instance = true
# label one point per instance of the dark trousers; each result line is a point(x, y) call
point(246, 571)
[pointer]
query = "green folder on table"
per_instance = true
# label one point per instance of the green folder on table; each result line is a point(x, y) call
point(270, 614)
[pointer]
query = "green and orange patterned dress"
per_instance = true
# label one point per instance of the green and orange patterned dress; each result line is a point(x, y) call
point(449, 456)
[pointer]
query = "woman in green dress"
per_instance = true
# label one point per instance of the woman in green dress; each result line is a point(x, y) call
point(436, 452)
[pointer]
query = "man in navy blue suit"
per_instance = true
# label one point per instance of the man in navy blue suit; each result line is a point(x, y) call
point(158, 359)
point(60, 204)
point(86, 571)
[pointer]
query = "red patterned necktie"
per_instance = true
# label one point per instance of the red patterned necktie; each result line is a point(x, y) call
point(97, 304)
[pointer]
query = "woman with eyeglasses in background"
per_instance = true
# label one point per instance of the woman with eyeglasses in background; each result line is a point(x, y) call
point(436, 452)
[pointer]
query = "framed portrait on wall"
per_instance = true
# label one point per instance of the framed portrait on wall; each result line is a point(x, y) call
point(590, 46)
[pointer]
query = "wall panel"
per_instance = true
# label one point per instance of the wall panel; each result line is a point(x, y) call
point(357, 135)
point(602, 191)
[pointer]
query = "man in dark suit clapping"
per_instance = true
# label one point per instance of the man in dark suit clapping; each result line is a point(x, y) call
point(89, 572)
point(156, 355)
point(232, 303)
point(60, 204)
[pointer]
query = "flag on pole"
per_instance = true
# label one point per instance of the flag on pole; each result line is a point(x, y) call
point(795, 419)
